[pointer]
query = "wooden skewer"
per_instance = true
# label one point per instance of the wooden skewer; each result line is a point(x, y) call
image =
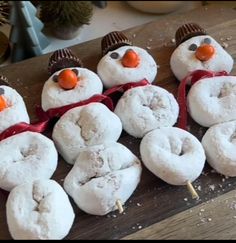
point(119, 206)
point(192, 190)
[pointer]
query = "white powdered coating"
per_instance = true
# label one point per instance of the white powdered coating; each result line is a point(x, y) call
point(25, 157)
point(54, 96)
point(183, 61)
point(16, 112)
point(39, 210)
point(112, 72)
point(173, 154)
point(219, 143)
point(84, 126)
point(212, 100)
point(145, 108)
point(101, 175)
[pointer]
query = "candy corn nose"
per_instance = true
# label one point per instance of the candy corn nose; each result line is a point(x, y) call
point(130, 59)
point(205, 52)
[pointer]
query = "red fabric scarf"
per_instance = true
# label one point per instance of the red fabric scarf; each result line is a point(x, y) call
point(191, 79)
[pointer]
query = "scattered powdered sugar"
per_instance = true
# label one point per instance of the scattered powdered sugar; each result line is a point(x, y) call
point(212, 187)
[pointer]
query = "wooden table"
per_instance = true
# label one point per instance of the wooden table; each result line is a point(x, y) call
point(156, 210)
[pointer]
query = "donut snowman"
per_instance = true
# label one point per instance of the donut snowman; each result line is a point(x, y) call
point(69, 81)
point(211, 99)
point(123, 62)
point(195, 50)
point(12, 108)
point(24, 156)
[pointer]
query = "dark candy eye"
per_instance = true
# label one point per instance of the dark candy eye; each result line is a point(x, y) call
point(75, 71)
point(193, 47)
point(114, 55)
point(2, 91)
point(55, 78)
point(207, 41)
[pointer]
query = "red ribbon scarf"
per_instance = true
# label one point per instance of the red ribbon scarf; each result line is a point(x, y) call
point(108, 98)
point(45, 117)
point(117, 91)
point(191, 79)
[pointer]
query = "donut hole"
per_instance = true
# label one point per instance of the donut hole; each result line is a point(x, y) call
point(40, 200)
point(227, 90)
point(179, 147)
point(233, 137)
point(29, 151)
point(89, 125)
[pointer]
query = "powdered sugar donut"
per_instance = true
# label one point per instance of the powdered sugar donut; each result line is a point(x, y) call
point(83, 126)
point(173, 154)
point(25, 157)
point(112, 72)
point(39, 210)
point(145, 108)
point(212, 100)
point(219, 143)
point(183, 60)
point(53, 95)
point(14, 110)
point(102, 175)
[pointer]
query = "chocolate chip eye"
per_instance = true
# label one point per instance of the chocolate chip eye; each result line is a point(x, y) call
point(114, 55)
point(55, 78)
point(2, 91)
point(75, 71)
point(193, 47)
point(207, 41)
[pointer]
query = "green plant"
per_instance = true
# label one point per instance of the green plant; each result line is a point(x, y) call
point(65, 13)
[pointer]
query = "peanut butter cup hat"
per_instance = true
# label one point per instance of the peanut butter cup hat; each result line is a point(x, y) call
point(63, 58)
point(114, 40)
point(188, 31)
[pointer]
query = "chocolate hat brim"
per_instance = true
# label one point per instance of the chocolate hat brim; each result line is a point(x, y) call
point(114, 40)
point(188, 31)
point(63, 58)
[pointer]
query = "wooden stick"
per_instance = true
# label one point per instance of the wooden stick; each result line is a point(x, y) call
point(119, 206)
point(192, 190)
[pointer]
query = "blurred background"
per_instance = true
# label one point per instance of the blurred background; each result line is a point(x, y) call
point(106, 16)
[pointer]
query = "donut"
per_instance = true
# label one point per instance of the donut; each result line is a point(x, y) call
point(101, 175)
point(39, 210)
point(112, 71)
point(172, 154)
point(145, 108)
point(219, 143)
point(12, 108)
point(185, 60)
point(83, 126)
point(212, 100)
point(54, 95)
point(25, 157)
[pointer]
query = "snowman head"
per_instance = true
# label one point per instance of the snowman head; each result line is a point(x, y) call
point(124, 63)
point(197, 51)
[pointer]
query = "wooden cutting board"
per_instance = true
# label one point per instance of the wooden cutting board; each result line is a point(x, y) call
point(155, 205)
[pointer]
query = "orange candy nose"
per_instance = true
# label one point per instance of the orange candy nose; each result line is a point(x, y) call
point(3, 103)
point(130, 59)
point(67, 79)
point(205, 52)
